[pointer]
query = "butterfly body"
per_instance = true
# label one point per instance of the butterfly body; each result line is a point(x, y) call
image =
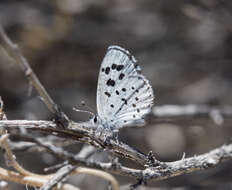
point(124, 95)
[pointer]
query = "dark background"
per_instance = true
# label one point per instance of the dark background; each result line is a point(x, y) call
point(183, 47)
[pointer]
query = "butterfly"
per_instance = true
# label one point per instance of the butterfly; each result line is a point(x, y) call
point(124, 95)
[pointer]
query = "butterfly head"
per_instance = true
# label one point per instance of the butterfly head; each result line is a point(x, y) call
point(101, 123)
point(95, 120)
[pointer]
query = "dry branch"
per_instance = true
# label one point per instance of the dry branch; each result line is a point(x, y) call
point(24, 176)
point(80, 132)
point(49, 181)
point(67, 168)
point(162, 171)
point(14, 51)
point(216, 113)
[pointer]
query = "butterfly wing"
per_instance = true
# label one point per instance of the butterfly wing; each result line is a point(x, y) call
point(124, 95)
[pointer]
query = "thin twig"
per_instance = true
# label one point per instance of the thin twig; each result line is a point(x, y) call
point(67, 169)
point(12, 160)
point(33, 79)
point(216, 113)
point(24, 146)
point(53, 179)
point(20, 179)
point(99, 173)
point(2, 114)
point(29, 180)
point(24, 176)
point(71, 169)
point(58, 176)
point(164, 170)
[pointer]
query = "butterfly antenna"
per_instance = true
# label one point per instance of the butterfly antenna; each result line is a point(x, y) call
point(83, 111)
point(86, 106)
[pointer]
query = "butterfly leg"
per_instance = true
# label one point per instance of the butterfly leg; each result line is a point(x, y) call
point(111, 135)
point(115, 135)
point(98, 132)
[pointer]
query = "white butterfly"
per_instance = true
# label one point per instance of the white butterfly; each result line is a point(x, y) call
point(124, 95)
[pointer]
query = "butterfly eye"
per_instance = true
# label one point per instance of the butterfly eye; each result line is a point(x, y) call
point(95, 119)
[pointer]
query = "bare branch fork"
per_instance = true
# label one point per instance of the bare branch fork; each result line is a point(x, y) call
point(83, 132)
point(46, 182)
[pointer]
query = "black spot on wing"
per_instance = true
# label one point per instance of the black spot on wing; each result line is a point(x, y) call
point(107, 71)
point(103, 70)
point(113, 66)
point(107, 94)
point(117, 92)
point(110, 82)
point(130, 56)
point(111, 105)
point(123, 89)
point(124, 100)
point(121, 76)
point(119, 67)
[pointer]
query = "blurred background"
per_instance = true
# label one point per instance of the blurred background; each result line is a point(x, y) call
point(183, 47)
